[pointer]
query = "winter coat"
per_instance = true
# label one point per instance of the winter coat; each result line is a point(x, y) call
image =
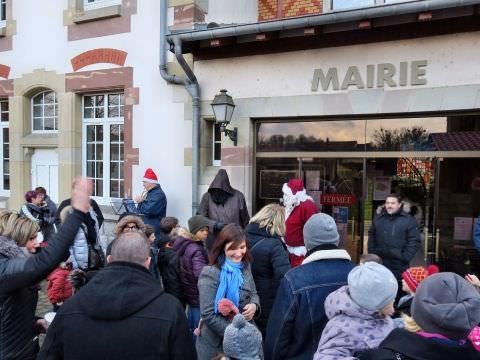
point(404, 305)
point(213, 327)
point(39, 214)
point(154, 207)
point(169, 266)
point(270, 263)
point(193, 257)
point(121, 313)
point(233, 210)
point(19, 276)
point(404, 345)
point(59, 287)
point(298, 315)
point(476, 235)
point(351, 328)
point(52, 210)
point(395, 238)
point(79, 250)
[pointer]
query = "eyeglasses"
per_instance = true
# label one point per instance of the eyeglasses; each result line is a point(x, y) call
point(130, 228)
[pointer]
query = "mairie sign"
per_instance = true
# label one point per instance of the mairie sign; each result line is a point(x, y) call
point(337, 199)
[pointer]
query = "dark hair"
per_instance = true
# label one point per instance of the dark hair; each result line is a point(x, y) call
point(395, 196)
point(231, 233)
point(41, 190)
point(149, 230)
point(29, 195)
point(168, 223)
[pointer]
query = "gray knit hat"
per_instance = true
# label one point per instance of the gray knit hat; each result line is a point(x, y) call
point(372, 286)
point(320, 229)
point(242, 340)
point(196, 223)
point(446, 304)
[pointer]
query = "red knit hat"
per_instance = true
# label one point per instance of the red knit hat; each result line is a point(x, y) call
point(296, 185)
point(150, 176)
point(415, 275)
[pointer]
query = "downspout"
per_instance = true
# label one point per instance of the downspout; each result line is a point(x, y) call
point(191, 85)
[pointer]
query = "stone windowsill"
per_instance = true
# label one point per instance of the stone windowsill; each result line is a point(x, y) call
point(97, 14)
point(3, 29)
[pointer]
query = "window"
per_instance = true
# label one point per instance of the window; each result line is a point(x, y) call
point(217, 145)
point(5, 142)
point(103, 143)
point(3, 12)
point(44, 112)
point(97, 4)
point(350, 4)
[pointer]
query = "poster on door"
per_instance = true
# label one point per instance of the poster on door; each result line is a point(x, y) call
point(463, 228)
point(340, 215)
point(382, 187)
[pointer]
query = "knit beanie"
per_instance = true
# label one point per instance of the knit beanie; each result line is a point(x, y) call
point(446, 304)
point(415, 275)
point(197, 222)
point(150, 176)
point(372, 286)
point(242, 340)
point(320, 229)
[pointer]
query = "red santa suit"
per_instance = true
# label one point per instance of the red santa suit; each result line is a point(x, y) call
point(298, 208)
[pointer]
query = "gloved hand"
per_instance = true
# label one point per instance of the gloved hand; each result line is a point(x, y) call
point(218, 226)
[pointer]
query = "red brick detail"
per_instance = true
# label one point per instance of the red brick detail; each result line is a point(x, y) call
point(6, 88)
point(188, 14)
point(273, 9)
point(4, 71)
point(267, 9)
point(112, 79)
point(111, 56)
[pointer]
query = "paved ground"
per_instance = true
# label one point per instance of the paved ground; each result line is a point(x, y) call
point(43, 305)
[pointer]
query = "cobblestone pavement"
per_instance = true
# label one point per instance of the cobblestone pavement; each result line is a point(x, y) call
point(43, 305)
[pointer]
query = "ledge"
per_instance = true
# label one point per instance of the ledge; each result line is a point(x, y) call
point(3, 30)
point(97, 14)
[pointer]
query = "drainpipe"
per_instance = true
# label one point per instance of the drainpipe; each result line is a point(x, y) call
point(191, 85)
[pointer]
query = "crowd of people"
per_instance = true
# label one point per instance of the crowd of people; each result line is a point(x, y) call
point(277, 285)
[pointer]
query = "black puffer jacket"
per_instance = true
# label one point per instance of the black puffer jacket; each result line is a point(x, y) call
point(395, 238)
point(19, 275)
point(270, 263)
point(121, 313)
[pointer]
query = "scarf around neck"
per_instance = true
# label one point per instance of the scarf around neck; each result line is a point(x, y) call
point(231, 279)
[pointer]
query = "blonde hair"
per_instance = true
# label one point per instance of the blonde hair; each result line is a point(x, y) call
point(410, 324)
point(4, 216)
point(64, 213)
point(272, 217)
point(20, 229)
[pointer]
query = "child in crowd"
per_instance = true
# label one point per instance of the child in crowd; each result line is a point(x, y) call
point(445, 314)
point(359, 313)
point(370, 257)
point(241, 340)
point(411, 278)
point(193, 257)
point(150, 235)
point(59, 286)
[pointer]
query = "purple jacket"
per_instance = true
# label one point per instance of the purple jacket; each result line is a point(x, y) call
point(351, 328)
point(193, 257)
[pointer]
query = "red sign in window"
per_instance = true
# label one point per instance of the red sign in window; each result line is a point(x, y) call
point(337, 199)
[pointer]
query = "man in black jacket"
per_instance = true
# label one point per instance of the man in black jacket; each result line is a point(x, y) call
point(394, 236)
point(121, 313)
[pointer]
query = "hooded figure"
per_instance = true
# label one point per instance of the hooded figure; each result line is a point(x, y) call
point(222, 204)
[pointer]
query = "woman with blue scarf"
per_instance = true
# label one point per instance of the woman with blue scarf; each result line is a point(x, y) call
point(228, 276)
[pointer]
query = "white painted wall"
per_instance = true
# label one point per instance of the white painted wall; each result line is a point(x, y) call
point(452, 60)
point(232, 11)
point(160, 131)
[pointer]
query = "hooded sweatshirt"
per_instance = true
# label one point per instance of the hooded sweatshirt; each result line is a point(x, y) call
point(122, 313)
point(351, 328)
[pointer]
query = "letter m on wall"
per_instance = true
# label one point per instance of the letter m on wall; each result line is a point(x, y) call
point(325, 80)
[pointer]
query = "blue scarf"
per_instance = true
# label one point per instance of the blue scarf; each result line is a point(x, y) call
point(230, 281)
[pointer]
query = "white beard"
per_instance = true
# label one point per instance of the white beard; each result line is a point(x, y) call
point(291, 201)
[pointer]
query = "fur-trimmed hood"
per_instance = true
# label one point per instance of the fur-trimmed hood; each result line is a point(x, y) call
point(10, 249)
point(408, 207)
point(128, 219)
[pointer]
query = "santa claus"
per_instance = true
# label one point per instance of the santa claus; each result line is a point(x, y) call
point(298, 208)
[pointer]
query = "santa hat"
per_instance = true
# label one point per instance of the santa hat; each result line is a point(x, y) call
point(150, 176)
point(296, 185)
point(415, 275)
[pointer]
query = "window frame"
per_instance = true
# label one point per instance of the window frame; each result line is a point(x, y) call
point(99, 4)
point(106, 123)
point(55, 111)
point(328, 5)
point(3, 13)
point(216, 142)
point(4, 125)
